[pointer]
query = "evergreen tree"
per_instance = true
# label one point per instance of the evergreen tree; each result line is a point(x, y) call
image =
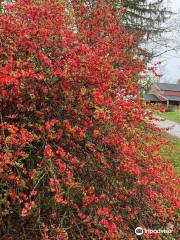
point(144, 16)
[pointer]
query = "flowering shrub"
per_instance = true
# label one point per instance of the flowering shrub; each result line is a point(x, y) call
point(78, 159)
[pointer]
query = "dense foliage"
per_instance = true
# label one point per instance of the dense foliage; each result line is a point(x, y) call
point(79, 159)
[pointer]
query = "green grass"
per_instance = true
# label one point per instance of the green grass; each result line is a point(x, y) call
point(173, 155)
point(173, 116)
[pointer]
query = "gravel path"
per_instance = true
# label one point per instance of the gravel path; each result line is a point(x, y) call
point(175, 127)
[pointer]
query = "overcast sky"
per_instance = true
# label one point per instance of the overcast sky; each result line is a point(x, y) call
point(171, 65)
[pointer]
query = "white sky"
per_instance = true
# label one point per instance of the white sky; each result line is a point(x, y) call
point(171, 66)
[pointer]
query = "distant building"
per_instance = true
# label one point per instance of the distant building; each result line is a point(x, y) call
point(165, 93)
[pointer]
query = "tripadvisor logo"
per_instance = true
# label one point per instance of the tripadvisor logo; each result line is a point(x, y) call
point(139, 231)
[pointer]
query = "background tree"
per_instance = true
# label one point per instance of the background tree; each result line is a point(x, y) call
point(145, 16)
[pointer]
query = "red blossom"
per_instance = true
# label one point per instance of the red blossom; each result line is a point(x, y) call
point(74, 136)
point(103, 211)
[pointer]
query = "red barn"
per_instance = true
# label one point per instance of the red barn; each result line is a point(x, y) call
point(167, 93)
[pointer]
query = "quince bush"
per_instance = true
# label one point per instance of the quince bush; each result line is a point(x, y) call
point(79, 158)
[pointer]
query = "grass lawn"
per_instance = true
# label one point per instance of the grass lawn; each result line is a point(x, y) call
point(173, 155)
point(173, 116)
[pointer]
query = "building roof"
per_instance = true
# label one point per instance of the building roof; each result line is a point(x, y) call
point(169, 87)
point(171, 97)
point(162, 97)
point(151, 97)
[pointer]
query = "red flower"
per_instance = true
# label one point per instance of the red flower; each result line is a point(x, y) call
point(58, 72)
point(103, 211)
point(48, 152)
point(60, 199)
